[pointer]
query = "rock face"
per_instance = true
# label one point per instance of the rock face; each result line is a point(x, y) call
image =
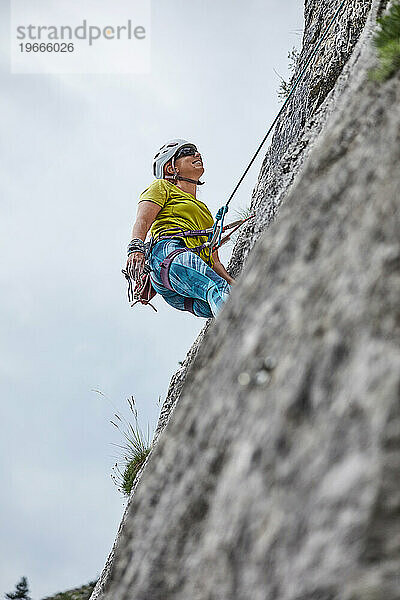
point(303, 119)
point(277, 474)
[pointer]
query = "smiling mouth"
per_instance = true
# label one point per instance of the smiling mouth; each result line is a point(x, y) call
point(197, 162)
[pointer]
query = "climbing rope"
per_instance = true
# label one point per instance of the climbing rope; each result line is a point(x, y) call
point(222, 211)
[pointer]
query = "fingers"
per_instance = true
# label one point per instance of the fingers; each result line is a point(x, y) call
point(135, 265)
point(139, 266)
point(129, 266)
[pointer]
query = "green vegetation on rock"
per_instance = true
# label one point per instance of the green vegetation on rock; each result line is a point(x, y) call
point(82, 593)
point(132, 469)
point(387, 43)
point(286, 86)
point(135, 450)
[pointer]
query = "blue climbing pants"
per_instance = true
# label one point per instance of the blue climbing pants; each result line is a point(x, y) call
point(190, 277)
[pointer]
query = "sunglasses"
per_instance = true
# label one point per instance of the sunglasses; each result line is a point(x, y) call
point(186, 151)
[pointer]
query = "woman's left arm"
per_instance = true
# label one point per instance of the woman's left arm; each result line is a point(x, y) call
point(220, 269)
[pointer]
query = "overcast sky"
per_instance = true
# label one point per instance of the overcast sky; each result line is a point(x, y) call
point(76, 152)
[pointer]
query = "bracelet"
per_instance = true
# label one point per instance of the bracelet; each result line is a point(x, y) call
point(136, 245)
point(136, 240)
point(137, 250)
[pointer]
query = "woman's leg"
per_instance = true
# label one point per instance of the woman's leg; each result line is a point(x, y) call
point(189, 277)
point(200, 308)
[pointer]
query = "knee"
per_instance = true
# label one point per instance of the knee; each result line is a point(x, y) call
point(216, 296)
point(222, 288)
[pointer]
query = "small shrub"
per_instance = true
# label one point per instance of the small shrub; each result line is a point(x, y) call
point(286, 86)
point(82, 593)
point(132, 469)
point(134, 451)
point(240, 213)
point(387, 43)
point(243, 213)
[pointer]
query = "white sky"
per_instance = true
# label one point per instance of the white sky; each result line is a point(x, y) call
point(75, 154)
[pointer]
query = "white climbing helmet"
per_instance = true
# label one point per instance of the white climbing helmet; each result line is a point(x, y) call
point(165, 154)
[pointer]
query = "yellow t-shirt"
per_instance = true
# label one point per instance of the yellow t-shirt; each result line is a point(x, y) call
point(179, 209)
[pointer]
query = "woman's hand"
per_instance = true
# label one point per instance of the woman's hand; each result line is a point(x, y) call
point(220, 269)
point(146, 213)
point(135, 265)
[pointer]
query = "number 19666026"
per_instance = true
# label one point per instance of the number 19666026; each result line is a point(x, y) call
point(49, 47)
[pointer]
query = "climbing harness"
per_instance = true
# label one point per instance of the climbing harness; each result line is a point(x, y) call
point(210, 244)
point(142, 292)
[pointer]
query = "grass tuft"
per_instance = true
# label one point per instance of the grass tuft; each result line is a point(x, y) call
point(134, 451)
point(243, 212)
point(387, 43)
point(285, 87)
point(240, 213)
point(132, 469)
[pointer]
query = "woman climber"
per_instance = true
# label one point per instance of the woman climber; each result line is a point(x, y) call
point(183, 270)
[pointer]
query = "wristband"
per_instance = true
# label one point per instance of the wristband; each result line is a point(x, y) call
point(136, 250)
point(136, 245)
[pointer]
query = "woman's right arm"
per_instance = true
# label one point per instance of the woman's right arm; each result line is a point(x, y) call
point(146, 213)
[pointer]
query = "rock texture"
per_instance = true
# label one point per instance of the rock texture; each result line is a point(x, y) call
point(308, 110)
point(277, 474)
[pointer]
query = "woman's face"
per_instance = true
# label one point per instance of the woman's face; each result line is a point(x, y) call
point(190, 166)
